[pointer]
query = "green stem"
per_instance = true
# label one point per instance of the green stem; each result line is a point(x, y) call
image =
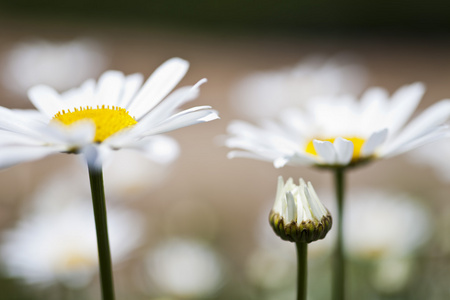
point(101, 226)
point(339, 260)
point(302, 250)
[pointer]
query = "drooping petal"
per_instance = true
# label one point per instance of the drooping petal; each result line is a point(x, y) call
point(344, 150)
point(325, 150)
point(160, 83)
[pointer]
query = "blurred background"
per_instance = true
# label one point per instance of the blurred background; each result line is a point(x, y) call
point(197, 228)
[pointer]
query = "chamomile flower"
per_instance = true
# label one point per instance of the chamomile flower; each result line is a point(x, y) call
point(55, 242)
point(60, 65)
point(265, 93)
point(342, 131)
point(96, 118)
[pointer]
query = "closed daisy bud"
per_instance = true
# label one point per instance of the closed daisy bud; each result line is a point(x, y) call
point(298, 215)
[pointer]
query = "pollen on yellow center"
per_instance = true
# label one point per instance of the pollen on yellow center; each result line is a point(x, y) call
point(357, 145)
point(108, 121)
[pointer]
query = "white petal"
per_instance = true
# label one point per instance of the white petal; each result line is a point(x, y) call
point(326, 151)
point(426, 122)
point(45, 99)
point(13, 155)
point(160, 83)
point(403, 103)
point(291, 209)
point(168, 107)
point(375, 140)
point(109, 88)
point(184, 120)
point(132, 84)
point(344, 150)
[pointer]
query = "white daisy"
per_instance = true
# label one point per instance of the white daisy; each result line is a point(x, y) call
point(96, 118)
point(55, 241)
point(60, 65)
point(341, 131)
point(266, 93)
point(185, 268)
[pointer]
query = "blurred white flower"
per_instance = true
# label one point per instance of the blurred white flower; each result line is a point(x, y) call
point(61, 65)
point(341, 131)
point(436, 155)
point(378, 224)
point(185, 268)
point(265, 94)
point(55, 241)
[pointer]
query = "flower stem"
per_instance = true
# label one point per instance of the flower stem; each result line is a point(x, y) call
point(302, 250)
point(339, 260)
point(101, 226)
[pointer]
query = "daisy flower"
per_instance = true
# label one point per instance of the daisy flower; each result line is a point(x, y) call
point(96, 118)
point(254, 95)
point(60, 65)
point(185, 268)
point(342, 131)
point(55, 241)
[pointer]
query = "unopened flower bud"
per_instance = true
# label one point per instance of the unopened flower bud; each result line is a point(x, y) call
point(298, 215)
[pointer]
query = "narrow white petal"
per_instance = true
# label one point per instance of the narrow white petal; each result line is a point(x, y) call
point(437, 134)
point(169, 106)
point(426, 122)
point(344, 150)
point(160, 83)
point(132, 84)
point(326, 151)
point(45, 99)
point(291, 209)
point(375, 140)
point(184, 120)
point(403, 103)
point(280, 192)
point(12, 155)
point(109, 88)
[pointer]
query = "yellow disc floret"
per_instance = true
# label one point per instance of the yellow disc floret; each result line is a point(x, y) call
point(357, 146)
point(108, 121)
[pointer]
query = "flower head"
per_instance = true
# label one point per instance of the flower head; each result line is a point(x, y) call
point(60, 65)
point(97, 118)
point(55, 241)
point(298, 215)
point(185, 268)
point(341, 131)
point(254, 95)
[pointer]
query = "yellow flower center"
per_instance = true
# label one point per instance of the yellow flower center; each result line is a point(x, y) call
point(357, 145)
point(108, 121)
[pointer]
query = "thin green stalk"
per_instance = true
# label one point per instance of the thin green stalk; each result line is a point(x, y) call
point(101, 226)
point(302, 267)
point(339, 260)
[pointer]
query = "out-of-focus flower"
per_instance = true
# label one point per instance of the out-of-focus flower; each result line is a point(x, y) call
point(185, 268)
point(98, 118)
point(341, 131)
point(436, 155)
point(55, 241)
point(382, 225)
point(61, 65)
point(298, 215)
point(265, 94)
